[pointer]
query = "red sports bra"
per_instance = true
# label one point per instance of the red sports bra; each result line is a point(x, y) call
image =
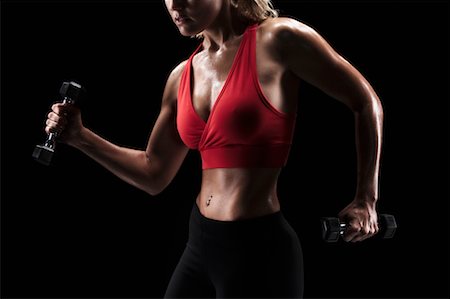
point(243, 129)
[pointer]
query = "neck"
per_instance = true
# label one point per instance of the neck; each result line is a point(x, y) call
point(225, 28)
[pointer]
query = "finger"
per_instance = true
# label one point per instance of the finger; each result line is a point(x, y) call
point(60, 109)
point(373, 229)
point(365, 233)
point(376, 228)
point(53, 127)
point(62, 120)
point(352, 231)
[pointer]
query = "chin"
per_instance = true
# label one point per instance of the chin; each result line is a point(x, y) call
point(188, 33)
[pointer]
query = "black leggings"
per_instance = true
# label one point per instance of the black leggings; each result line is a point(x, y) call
point(258, 257)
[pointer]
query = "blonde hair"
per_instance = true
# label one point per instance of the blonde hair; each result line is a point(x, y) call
point(255, 10)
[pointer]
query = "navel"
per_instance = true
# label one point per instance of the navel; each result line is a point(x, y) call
point(208, 201)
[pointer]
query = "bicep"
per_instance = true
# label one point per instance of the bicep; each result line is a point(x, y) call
point(165, 149)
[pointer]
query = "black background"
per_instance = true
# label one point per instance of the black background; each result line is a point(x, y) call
point(75, 230)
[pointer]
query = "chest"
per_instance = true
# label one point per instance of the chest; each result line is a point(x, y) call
point(209, 72)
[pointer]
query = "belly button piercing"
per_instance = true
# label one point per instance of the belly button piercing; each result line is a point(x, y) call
point(208, 201)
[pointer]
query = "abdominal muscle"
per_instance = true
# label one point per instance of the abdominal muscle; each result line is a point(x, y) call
point(229, 194)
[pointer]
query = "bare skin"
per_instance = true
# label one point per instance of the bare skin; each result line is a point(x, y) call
point(287, 52)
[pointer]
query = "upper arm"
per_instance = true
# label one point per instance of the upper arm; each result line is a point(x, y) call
point(309, 56)
point(165, 149)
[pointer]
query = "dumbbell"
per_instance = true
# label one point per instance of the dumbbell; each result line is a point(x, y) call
point(332, 228)
point(71, 93)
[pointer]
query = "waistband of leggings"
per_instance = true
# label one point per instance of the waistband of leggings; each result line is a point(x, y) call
point(259, 223)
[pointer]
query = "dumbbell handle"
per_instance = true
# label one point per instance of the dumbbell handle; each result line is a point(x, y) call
point(343, 225)
point(51, 138)
point(332, 228)
point(342, 228)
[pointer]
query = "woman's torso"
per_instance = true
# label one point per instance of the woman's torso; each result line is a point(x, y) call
point(238, 193)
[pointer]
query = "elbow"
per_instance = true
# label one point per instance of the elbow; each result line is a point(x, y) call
point(371, 114)
point(157, 176)
point(151, 180)
point(153, 192)
point(154, 186)
point(149, 188)
point(372, 105)
point(156, 183)
point(378, 109)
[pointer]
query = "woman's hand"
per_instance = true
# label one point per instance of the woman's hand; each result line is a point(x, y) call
point(361, 217)
point(65, 120)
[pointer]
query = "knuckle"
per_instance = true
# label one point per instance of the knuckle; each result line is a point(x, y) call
point(50, 129)
point(355, 228)
point(57, 108)
point(53, 116)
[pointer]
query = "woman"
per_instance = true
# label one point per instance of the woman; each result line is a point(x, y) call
point(235, 101)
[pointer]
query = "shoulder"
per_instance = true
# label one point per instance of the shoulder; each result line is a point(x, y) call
point(286, 34)
point(173, 81)
point(175, 75)
point(176, 72)
point(285, 28)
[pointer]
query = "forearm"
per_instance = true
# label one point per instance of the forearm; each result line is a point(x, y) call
point(369, 127)
point(130, 165)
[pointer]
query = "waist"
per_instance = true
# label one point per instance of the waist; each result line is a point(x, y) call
point(245, 156)
point(256, 232)
point(238, 193)
point(237, 225)
point(219, 208)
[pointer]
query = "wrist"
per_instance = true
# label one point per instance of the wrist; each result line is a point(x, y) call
point(80, 138)
point(367, 192)
point(366, 198)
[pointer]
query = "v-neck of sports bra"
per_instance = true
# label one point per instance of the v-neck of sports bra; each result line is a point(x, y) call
point(227, 80)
